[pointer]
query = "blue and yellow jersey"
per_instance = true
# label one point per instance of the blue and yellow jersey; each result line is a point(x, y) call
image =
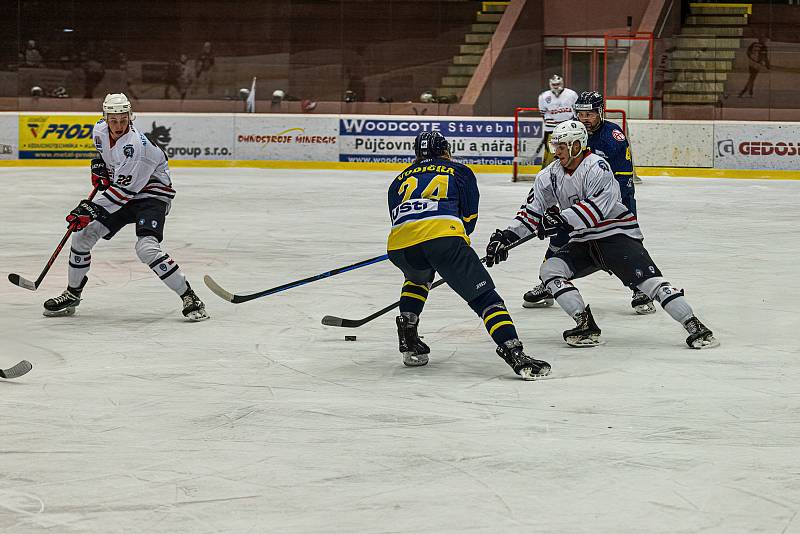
point(609, 142)
point(432, 198)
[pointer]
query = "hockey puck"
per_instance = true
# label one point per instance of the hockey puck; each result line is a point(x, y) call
point(349, 338)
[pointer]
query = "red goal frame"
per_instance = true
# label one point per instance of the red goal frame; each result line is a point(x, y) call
point(615, 114)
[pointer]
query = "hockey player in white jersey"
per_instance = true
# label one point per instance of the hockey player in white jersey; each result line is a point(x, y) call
point(555, 105)
point(134, 178)
point(580, 194)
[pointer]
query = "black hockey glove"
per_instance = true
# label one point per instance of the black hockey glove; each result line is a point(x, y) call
point(497, 249)
point(100, 176)
point(84, 213)
point(552, 223)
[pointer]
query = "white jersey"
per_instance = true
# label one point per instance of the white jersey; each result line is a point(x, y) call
point(138, 169)
point(556, 109)
point(589, 199)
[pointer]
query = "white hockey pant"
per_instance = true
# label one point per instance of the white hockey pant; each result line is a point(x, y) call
point(148, 249)
point(670, 298)
point(556, 274)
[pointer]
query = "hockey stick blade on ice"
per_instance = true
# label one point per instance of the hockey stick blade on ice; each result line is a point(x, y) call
point(224, 294)
point(332, 320)
point(18, 280)
point(23, 282)
point(217, 289)
point(17, 371)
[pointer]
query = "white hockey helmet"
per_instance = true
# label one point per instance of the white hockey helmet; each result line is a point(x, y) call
point(117, 103)
point(556, 84)
point(568, 132)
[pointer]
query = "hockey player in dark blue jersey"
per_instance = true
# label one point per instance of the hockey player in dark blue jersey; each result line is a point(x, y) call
point(433, 205)
point(607, 140)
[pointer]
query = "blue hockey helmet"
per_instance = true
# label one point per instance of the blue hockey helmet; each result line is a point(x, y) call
point(590, 101)
point(430, 145)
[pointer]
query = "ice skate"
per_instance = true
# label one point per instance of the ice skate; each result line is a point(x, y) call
point(586, 333)
point(64, 305)
point(526, 367)
point(193, 307)
point(700, 337)
point(642, 304)
point(538, 297)
point(414, 351)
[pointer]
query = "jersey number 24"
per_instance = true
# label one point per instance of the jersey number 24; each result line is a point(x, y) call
point(436, 190)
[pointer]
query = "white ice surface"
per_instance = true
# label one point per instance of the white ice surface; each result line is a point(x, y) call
point(263, 420)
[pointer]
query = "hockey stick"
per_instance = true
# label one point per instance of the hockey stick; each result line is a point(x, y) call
point(539, 148)
point(17, 371)
point(330, 320)
point(20, 281)
point(236, 299)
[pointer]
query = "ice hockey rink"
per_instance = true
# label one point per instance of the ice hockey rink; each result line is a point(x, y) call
point(263, 420)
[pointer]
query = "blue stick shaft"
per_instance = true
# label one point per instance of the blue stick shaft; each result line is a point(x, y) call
point(244, 298)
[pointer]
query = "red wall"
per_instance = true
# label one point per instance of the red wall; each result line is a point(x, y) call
point(588, 17)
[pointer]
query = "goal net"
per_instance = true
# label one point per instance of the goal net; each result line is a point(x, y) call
point(528, 136)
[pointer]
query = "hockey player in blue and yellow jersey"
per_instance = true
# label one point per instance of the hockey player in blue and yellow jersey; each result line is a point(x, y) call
point(432, 198)
point(433, 205)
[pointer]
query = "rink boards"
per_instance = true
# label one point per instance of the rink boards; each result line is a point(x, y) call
point(673, 148)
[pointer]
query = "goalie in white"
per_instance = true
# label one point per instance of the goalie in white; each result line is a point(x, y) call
point(579, 193)
point(134, 178)
point(555, 105)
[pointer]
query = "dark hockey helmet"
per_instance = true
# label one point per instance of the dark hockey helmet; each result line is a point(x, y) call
point(430, 145)
point(590, 101)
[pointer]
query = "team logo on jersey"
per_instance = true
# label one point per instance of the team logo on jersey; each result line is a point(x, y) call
point(412, 207)
point(154, 224)
point(128, 151)
point(548, 99)
point(98, 143)
point(159, 136)
point(638, 273)
point(619, 136)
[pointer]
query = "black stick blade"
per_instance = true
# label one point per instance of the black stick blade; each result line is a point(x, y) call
point(18, 370)
point(18, 280)
point(330, 320)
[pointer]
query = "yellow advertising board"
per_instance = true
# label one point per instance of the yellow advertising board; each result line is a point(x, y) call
point(44, 136)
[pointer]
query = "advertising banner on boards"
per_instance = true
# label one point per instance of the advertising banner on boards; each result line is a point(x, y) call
point(9, 136)
point(193, 136)
point(45, 136)
point(287, 137)
point(474, 140)
point(756, 145)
